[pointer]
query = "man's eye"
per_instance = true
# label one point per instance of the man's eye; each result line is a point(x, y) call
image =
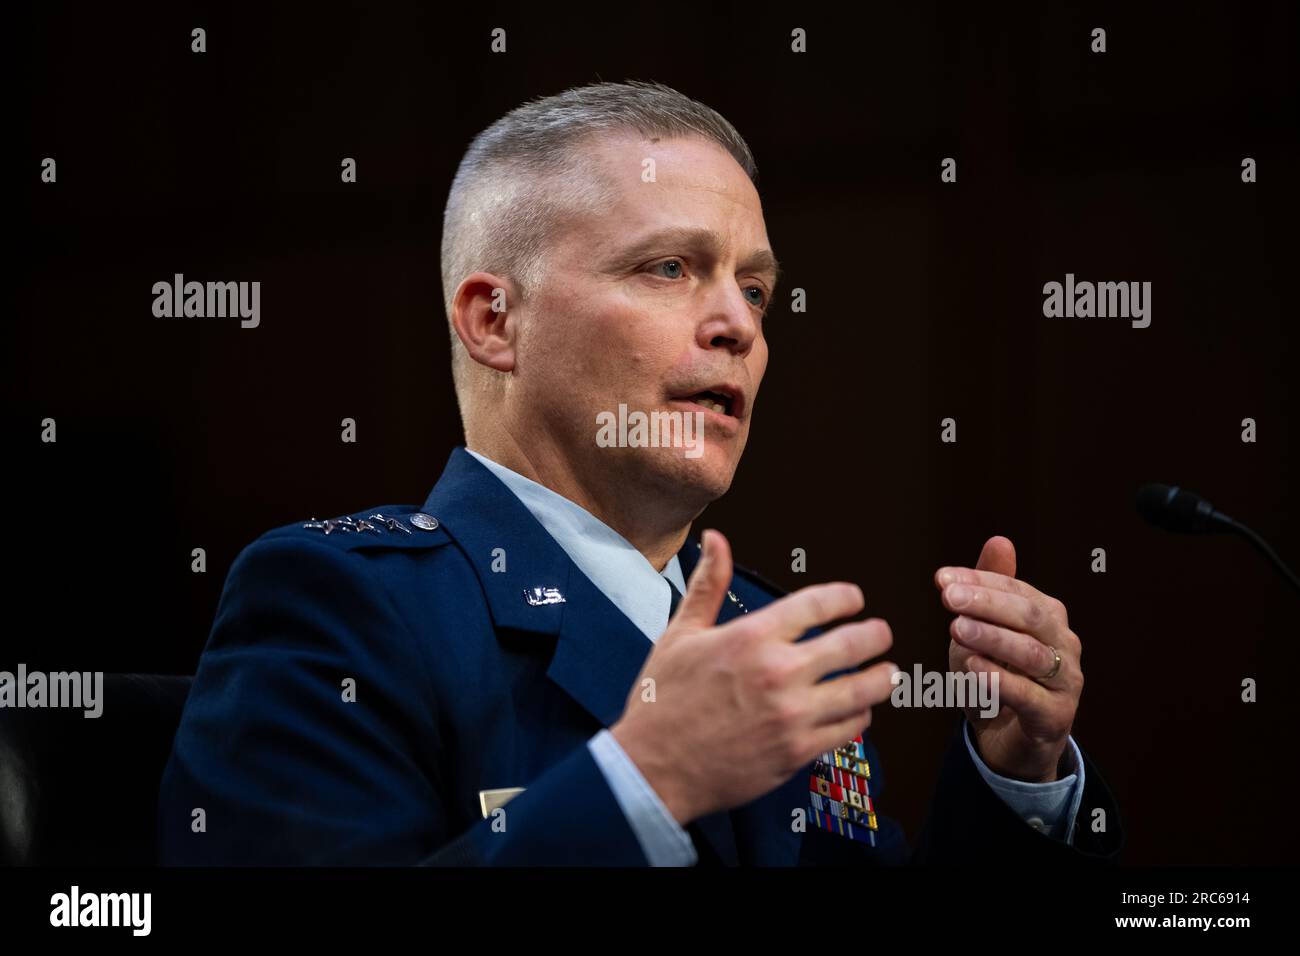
point(669, 263)
point(761, 301)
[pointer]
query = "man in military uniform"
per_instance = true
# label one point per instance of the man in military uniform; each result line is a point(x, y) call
point(538, 665)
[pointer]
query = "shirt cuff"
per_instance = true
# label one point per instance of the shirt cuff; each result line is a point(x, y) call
point(662, 840)
point(1049, 808)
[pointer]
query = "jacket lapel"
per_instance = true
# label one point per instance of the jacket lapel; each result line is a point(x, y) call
point(688, 557)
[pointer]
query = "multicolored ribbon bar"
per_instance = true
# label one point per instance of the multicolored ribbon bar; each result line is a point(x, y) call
point(838, 795)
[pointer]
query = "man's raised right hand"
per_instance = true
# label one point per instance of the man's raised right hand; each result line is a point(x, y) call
point(737, 710)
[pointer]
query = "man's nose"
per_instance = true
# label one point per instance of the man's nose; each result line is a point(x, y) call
point(730, 322)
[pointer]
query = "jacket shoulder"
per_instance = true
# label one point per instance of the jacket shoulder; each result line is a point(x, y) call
point(384, 527)
point(747, 579)
point(752, 577)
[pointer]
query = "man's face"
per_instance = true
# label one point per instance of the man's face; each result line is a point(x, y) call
point(648, 303)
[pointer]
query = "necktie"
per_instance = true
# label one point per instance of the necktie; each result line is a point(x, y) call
point(674, 599)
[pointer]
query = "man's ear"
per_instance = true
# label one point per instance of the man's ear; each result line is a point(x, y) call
point(485, 317)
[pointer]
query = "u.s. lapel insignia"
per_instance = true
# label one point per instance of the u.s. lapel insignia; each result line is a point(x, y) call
point(489, 800)
point(540, 596)
point(838, 794)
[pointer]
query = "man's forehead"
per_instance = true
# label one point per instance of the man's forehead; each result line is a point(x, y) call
point(629, 160)
point(644, 218)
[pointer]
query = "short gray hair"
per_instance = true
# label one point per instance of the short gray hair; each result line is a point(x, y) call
point(522, 176)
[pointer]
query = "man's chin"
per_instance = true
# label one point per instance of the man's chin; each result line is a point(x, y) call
point(696, 477)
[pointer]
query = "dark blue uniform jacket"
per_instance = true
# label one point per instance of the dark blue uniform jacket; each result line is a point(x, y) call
point(462, 685)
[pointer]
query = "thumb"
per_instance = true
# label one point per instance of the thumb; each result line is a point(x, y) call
point(708, 585)
point(998, 556)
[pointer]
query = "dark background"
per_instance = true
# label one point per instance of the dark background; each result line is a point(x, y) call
point(924, 298)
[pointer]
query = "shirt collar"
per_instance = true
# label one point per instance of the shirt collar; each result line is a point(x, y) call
point(609, 560)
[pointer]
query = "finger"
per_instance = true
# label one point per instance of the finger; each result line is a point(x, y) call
point(998, 582)
point(709, 581)
point(793, 615)
point(1001, 607)
point(956, 574)
point(837, 734)
point(831, 736)
point(1027, 654)
point(1026, 697)
point(959, 655)
point(846, 646)
point(999, 555)
point(839, 699)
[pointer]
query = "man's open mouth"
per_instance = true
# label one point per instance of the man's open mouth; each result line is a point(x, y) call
point(720, 398)
point(713, 401)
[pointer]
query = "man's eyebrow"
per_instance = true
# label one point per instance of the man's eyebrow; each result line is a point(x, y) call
point(710, 242)
point(763, 261)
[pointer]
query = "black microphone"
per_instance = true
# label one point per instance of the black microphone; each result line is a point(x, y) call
point(1173, 509)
